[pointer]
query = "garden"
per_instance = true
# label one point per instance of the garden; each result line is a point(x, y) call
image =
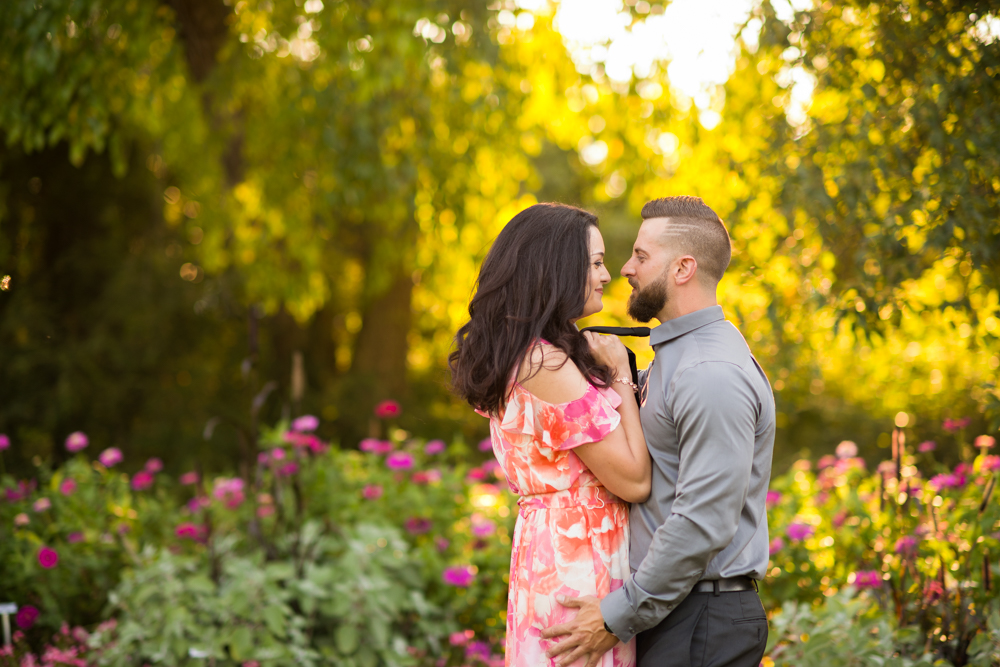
point(397, 553)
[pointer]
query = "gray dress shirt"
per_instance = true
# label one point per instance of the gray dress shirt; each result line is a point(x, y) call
point(708, 418)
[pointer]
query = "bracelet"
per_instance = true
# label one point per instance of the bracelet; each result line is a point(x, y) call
point(629, 383)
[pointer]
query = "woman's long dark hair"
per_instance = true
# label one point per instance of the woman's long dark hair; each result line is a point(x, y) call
point(532, 284)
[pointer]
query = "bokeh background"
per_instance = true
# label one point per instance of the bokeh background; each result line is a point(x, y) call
point(215, 213)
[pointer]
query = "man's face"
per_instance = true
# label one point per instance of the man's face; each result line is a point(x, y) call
point(647, 270)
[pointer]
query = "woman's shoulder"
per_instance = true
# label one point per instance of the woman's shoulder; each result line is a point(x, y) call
point(548, 374)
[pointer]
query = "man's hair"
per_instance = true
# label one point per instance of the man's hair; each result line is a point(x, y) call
point(696, 230)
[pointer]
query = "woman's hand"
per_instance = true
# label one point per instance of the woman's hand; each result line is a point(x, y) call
point(610, 351)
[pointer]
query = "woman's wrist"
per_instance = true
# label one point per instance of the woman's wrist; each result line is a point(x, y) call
point(626, 382)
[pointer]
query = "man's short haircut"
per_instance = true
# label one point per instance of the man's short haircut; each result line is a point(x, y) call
point(696, 230)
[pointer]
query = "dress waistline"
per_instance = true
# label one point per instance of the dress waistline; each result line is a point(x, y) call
point(578, 496)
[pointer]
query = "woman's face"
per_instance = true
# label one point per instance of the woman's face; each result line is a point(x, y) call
point(597, 276)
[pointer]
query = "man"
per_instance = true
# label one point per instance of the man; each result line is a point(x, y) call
point(699, 543)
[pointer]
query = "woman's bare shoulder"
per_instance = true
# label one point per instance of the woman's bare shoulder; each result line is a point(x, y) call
point(549, 374)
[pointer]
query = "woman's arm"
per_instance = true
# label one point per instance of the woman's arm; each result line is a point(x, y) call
point(620, 461)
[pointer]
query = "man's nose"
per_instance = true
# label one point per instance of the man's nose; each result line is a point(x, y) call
point(627, 270)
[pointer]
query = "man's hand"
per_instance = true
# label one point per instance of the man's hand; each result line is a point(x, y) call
point(610, 351)
point(584, 635)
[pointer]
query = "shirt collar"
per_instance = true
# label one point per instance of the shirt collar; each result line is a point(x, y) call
point(684, 324)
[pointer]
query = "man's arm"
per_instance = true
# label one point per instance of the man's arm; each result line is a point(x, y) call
point(715, 412)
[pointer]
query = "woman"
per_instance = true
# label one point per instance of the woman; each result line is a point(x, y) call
point(565, 427)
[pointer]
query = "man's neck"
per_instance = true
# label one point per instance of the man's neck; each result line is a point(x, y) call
point(684, 305)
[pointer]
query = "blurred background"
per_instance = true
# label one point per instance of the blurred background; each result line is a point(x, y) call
point(215, 213)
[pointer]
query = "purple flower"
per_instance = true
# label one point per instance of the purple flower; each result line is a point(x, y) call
point(142, 480)
point(867, 579)
point(48, 557)
point(434, 447)
point(74, 537)
point(399, 461)
point(799, 531)
point(189, 478)
point(4, 442)
point(418, 525)
point(907, 545)
point(927, 446)
point(944, 481)
point(773, 498)
point(777, 544)
point(486, 445)
point(288, 469)
point(458, 575)
point(110, 456)
point(305, 424)
point(483, 528)
point(154, 465)
point(76, 441)
point(477, 651)
point(26, 616)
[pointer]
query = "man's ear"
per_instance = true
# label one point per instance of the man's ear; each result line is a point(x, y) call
point(685, 269)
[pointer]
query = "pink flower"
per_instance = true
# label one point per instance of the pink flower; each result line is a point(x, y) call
point(288, 469)
point(773, 498)
point(459, 575)
point(154, 465)
point(189, 478)
point(426, 476)
point(399, 461)
point(372, 492)
point(110, 456)
point(229, 491)
point(777, 544)
point(461, 638)
point(68, 486)
point(75, 537)
point(48, 557)
point(305, 424)
point(277, 454)
point(927, 446)
point(376, 446)
point(21, 519)
point(191, 531)
point(442, 544)
point(42, 504)
point(77, 441)
point(952, 425)
point(265, 511)
point(907, 545)
point(142, 480)
point(826, 462)
point(867, 579)
point(477, 651)
point(799, 531)
point(387, 409)
point(887, 468)
point(418, 525)
point(26, 616)
point(990, 463)
point(934, 591)
point(985, 442)
point(476, 475)
point(4, 442)
point(847, 450)
point(197, 503)
point(434, 447)
point(21, 491)
point(486, 445)
point(483, 528)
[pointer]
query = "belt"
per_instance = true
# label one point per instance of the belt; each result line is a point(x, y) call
point(728, 585)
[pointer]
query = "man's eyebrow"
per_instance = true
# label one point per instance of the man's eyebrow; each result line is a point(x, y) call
point(637, 249)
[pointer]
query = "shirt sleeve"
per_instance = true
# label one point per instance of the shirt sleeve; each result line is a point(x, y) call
point(714, 410)
point(563, 426)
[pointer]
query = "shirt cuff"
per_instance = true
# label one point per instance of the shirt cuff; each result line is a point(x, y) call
point(619, 615)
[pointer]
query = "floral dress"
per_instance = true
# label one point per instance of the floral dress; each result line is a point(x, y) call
point(571, 536)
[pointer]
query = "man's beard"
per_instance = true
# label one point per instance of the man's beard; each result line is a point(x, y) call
point(645, 303)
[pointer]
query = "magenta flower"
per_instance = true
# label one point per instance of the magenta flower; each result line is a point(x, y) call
point(387, 409)
point(952, 425)
point(477, 651)
point(985, 441)
point(154, 465)
point(288, 469)
point(229, 491)
point(927, 446)
point(772, 499)
point(907, 545)
point(799, 531)
point(399, 461)
point(372, 492)
point(483, 528)
point(442, 544)
point(76, 441)
point(26, 616)
point(197, 503)
point(376, 446)
point(434, 447)
point(418, 525)
point(305, 424)
point(4, 442)
point(458, 575)
point(74, 537)
point(189, 478)
point(48, 557)
point(68, 486)
point(777, 544)
point(486, 445)
point(191, 531)
point(476, 475)
point(277, 454)
point(42, 504)
point(110, 456)
point(867, 579)
point(142, 480)
point(461, 638)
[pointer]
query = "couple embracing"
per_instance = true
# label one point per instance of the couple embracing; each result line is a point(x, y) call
point(669, 579)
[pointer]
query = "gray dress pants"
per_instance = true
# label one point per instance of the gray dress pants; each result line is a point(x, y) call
point(707, 630)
